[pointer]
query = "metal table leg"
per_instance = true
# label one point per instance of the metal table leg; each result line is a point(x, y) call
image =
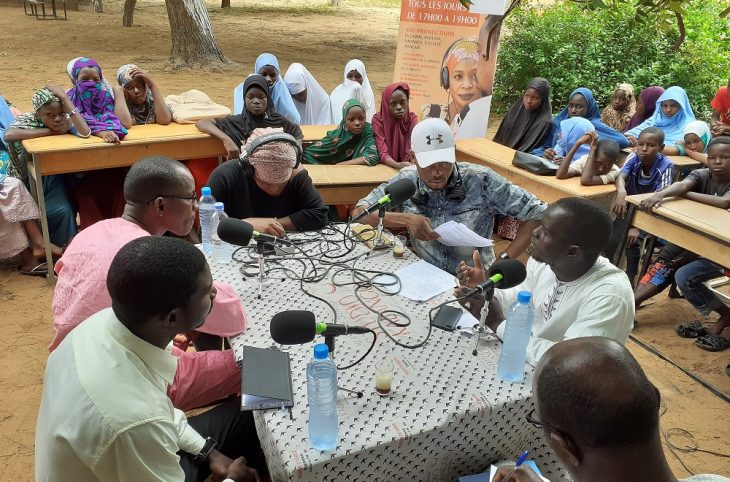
point(40, 196)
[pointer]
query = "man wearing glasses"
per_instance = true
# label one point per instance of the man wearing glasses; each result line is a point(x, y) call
point(602, 428)
point(160, 197)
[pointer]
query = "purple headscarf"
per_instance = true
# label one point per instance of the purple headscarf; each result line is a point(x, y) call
point(95, 103)
point(648, 98)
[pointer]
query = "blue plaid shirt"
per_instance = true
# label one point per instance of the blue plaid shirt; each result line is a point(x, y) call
point(487, 194)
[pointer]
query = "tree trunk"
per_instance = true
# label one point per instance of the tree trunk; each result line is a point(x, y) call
point(193, 42)
point(97, 6)
point(225, 3)
point(128, 18)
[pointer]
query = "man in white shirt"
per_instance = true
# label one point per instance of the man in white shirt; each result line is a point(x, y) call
point(105, 414)
point(602, 428)
point(576, 292)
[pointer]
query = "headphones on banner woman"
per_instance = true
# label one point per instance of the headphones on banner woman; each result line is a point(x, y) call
point(444, 74)
point(265, 139)
point(454, 191)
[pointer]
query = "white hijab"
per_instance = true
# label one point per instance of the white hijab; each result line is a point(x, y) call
point(316, 109)
point(343, 92)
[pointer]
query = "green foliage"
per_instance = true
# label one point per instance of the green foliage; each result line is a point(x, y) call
point(574, 45)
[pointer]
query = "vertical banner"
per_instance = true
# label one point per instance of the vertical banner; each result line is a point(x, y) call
point(448, 55)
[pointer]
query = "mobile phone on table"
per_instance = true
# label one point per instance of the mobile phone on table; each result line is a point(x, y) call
point(447, 318)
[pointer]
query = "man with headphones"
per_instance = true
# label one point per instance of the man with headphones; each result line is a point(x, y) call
point(448, 190)
point(268, 187)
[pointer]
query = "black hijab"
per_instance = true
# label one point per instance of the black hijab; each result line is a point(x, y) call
point(524, 130)
point(239, 127)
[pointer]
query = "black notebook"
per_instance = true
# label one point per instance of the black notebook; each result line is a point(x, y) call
point(266, 379)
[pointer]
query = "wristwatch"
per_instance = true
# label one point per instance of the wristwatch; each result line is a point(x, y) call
point(208, 448)
point(504, 255)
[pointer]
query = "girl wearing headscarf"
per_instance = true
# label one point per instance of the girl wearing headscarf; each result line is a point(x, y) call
point(392, 126)
point(529, 119)
point(697, 136)
point(310, 99)
point(671, 114)
point(645, 106)
point(95, 103)
point(570, 131)
point(282, 103)
point(53, 114)
point(258, 112)
point(354, 72)
point(618, 113)
point(351, 143)
point(581, 103)
point(145, 104)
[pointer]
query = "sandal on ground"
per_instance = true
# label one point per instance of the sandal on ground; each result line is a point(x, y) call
point(712, 343)
point(40, 270)
point(691, 329)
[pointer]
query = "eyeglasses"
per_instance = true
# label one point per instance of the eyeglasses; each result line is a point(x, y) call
point(192, 198)
point(531, 419)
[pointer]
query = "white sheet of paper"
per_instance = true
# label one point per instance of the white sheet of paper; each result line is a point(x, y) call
point(452, 233)
point(493, 472)
point(422, 281)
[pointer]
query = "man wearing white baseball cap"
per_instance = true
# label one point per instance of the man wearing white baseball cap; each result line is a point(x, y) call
point(448, 190)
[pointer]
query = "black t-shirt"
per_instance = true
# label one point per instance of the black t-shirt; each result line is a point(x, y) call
point(706, 183)
point(242, 198)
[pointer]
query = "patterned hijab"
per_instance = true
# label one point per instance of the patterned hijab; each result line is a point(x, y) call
point(397, 132)
point(94, 102)
point(648, 98)
point(142, 113)
point(341, 145)
point(523, 130)
point(619, 120)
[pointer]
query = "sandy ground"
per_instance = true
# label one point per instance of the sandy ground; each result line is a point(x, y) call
point(324, 40)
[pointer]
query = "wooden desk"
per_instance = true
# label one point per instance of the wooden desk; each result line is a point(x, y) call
point(700, 228)
point(547, 188)
point(347, 184)
point(315, 133)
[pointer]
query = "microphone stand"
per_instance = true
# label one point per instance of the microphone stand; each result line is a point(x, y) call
point(379, 243)
point(262, 266)
point(481, 328)
point(329, 340)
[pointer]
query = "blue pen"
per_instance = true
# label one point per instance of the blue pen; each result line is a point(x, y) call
point(520, 460)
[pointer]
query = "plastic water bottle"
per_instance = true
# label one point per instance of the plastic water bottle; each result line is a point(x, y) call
point(322, 395)
point(205, 212)
point(221, 249)
point(516, 337)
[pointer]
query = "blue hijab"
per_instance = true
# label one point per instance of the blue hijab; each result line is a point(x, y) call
point(6, 118)
point(593, 115)
point(673, 127)
point(571, 130)
point(283, 103)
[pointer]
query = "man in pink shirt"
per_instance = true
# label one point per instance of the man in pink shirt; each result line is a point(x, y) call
point(160, 196)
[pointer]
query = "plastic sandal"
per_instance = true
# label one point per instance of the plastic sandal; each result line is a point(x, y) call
point(712, 343)
point(691, 329)
point(40, 270)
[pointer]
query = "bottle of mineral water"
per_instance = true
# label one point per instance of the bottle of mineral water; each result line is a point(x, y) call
point(516, 337)
point(322, 395)
point(205, 213)
point(221, 249)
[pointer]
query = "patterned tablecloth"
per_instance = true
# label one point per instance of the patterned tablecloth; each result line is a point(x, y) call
point(448, 414)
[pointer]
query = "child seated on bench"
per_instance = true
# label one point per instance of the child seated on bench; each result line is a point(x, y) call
point(595, 168)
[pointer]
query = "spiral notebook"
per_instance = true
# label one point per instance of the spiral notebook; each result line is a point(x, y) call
point(266, 379)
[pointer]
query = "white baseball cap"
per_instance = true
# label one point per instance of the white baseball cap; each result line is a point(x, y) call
point(432, 142)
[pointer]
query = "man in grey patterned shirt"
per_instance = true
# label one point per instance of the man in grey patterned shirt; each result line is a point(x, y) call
point(448, 190)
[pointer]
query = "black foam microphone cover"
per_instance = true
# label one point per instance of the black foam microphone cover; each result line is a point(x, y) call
point(513, 272)
point(293, 327)
point(235, 231)
point(400, 191)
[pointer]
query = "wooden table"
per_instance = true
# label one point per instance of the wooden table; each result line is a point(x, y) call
point(66, 153)
point(315, 133)
point(700, 228)
point(547, 188)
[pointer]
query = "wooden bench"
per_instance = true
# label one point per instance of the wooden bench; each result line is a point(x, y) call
point(33, 5)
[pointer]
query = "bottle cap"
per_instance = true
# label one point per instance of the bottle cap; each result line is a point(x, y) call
point(321, 351)
point(218, 206)
point(524, 297)
point(205, 191)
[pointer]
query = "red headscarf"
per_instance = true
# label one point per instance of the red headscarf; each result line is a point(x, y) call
point(397, 132)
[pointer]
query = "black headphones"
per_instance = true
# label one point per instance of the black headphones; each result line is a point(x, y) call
point(265, 139)
point(454, 191)
point(444, 74)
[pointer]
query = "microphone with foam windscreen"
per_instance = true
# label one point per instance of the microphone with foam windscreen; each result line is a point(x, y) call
point(396, 192)
point(503, 274)
point(239, 232)
point(296, 327)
